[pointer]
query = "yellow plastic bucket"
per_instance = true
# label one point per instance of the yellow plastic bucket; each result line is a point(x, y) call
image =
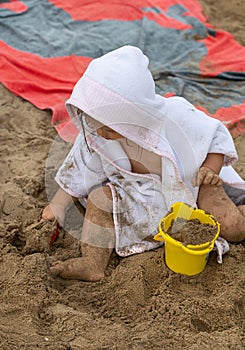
point(191, 259)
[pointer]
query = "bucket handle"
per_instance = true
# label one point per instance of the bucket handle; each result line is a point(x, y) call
point(159, 237)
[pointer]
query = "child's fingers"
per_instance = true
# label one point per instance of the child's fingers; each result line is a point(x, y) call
point(217, 181)
point(206, 176)
point(202, 176)
point(47, 217)
point(212, 179)
point(198, 177)
point(47, 213)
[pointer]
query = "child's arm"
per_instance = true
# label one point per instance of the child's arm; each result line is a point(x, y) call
point(57, 207)
point(209, 171)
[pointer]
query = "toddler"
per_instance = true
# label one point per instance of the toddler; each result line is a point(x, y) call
point(136, 154)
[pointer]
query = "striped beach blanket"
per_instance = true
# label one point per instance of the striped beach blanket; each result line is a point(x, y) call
point(45, 47)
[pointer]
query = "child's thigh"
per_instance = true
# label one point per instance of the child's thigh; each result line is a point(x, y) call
point(101, 199)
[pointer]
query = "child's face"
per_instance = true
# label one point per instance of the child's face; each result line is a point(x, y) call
point(102, 130)
point(108, 133)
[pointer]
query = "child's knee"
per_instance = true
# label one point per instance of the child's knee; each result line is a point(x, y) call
point(101, 198)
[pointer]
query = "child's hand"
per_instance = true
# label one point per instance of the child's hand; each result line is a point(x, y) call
point(48, 214)
point(52, 212)
point(57, 208)
point(206, 176)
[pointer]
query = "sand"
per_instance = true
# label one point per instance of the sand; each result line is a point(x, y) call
point(140, 304)
point(191, 232)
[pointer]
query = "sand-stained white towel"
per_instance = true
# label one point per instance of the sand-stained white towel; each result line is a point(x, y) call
point(118, 90)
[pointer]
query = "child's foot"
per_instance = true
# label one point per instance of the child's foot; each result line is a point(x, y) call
point(83, 268)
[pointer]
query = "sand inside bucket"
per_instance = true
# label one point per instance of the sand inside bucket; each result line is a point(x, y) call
point(191, 231)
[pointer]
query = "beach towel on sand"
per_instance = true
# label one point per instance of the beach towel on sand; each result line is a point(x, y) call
point(45, 47)
point(118, 90)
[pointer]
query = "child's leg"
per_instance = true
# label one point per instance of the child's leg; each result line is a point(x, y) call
point(98, 235)
point(214, 200)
